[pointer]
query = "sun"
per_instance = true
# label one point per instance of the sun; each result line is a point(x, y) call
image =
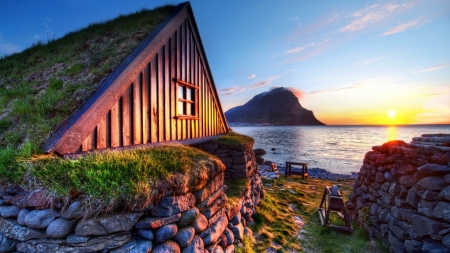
point(391, 114)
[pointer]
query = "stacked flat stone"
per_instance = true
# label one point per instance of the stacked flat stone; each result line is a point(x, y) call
point(239, 160)
point(185, 220)
point(406, 190)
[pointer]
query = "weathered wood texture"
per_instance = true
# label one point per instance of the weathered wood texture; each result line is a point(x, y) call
point(146, 110)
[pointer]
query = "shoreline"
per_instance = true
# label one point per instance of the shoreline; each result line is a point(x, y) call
point(318, 173)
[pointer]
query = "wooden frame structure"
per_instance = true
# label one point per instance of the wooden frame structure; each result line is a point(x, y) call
point(332, 202)
point(137, 103)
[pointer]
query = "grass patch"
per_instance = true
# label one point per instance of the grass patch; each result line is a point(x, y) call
point(44, 84)
point(289, 197)
point(109, 179)
point(235, 188)
point(235, 139)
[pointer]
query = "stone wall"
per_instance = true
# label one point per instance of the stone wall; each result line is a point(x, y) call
point(239, 160)
point(402, 194)
point(182, 221)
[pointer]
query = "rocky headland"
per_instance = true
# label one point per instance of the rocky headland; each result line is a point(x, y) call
point(276, 107)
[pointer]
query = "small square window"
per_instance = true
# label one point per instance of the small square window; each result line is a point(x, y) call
point(187, 100)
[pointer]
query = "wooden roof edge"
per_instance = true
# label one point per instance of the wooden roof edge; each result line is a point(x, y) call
point(54, 141)
point(148, 145)
point(194, 23)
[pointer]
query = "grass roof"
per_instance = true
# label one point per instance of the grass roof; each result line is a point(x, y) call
point(41, 86)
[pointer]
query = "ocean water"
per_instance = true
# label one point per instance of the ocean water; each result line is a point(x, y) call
point(338, 149)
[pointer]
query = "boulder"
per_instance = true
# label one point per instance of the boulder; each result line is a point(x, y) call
point(107, 224)
point(413, 246)
point(154, 222)
point(60, 228)
point(434, 183)
point(167, 247)
point(165, 233)
point(217, 230)
point(442, 211)
point(9, 211)
point(171, 205)
point(73, 211)
point(12, 230)
point(426, 207)
point(188, 217)
point(21, 216)
point(445, 193)
point(126, 248)
point(142, 246)
point(200, 223)
point(432, 246)
point(40, 219)
point(184, 236)
point(7, 244)
point(434, 169)
point(196, 246)
point(209, 188)
point(238, 231)
point(146, 233)
point(76, 239)
point(422, 226)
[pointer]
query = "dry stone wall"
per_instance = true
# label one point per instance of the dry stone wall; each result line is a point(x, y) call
point(402, 194)
point(186, 221)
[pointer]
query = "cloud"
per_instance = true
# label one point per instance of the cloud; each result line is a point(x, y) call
point(264, 82)
point(368, 15)
point(297, 92)
point(251, 76)
point(368, 61)
point(296, 50)
point(232, 90)
point(357, 84)
point(401, 28)
point(434, 68)
point(333, 18)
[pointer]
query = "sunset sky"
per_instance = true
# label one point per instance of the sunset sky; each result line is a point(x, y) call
point(351, 62)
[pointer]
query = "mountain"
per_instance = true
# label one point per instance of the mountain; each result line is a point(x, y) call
point(278, 107)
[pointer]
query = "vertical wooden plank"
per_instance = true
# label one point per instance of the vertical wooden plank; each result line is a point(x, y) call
point(87, 144)
point(153, 100)
point(115, 126)
point(179, 65)
point(167, 90)
point(137, 133)
point(183, 72)
point(173, 87)
point(126, 116)
point(101, 134)
point(108, 129)
point(161, 94)
point(208, 122)
point(188, 52)
point(196, 83)
point(203, 104)
point(145, 105)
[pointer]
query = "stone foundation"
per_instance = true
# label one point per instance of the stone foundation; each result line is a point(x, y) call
point(403, 190)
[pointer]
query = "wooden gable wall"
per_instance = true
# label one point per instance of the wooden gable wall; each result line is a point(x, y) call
point(144, 109)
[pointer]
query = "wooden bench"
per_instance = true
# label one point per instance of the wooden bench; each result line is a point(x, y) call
point(303, 173)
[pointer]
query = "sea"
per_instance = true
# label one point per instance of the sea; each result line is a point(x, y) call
point(338, 149)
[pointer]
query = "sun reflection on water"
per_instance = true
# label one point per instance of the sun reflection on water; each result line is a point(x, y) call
point(391, 133)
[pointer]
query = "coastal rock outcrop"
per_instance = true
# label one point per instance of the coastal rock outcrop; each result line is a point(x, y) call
point(276, 107)
point(401, 194)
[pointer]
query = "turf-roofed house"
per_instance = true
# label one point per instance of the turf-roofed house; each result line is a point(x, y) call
point(163, 91)
point(86, 161)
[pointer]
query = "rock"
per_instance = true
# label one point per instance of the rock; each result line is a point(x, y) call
point(259, 160)
point(229, 249)
point(445, 193)
point(60, 228)
point(146, 233)
point(426, 207)
point(21, 216)
point(215, 206)
point(428, 195)
point(165, 233)
point(184, 236)
point(248, 232)
point(40, 219)
point(142, 246)
point(126, 248)
point(200, 224)
point(434, 169)
point(406, 180)
point(442, 211)
point(388, 176)
point(107, 224)
point(423, 226)
point(196, 246)
point(76, 239)
point(412, 197)
point(6, 244)
point(431, 246)
point(216, 230)
point(395, 243)
point(188, 217)
point(73, 211)
point(12, 230)
point(209, 200)
point(386, 147)
point(9, 211)
point(434, 183)
point(167, 247)
point(413, 246)
point(238, 231)
point(153, 222)
point(229, 235)
point(37, 198)
point(171, 205)
point(212, 186)
point(446, 240)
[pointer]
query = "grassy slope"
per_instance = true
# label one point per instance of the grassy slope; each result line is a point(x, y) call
point(275, 227)
point(105, 180)
point(44, 84)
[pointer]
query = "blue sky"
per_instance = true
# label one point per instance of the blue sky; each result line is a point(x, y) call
point(351, 62)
